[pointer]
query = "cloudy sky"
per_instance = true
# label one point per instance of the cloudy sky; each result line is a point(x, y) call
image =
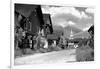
point(81, 17)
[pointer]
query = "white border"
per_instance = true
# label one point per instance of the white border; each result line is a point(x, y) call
point(78, 3)
point(12, 35)
point(56, 2)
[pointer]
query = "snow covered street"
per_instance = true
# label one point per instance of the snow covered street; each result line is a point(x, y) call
point(50, 57)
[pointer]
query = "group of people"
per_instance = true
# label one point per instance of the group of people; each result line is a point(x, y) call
point(26, 40)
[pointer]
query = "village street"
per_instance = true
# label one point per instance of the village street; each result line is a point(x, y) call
point(62, 56)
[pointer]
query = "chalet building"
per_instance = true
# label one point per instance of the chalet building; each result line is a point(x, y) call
point(29, 20)
point(47, 24)
point(20, 20)
point(91, 31)
point(36, 20)
point(32, 19)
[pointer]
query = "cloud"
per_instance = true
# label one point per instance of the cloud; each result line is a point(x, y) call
point(66, 10)
point(84, 15)
point(64, 23)
point(89, 10)
point(64, 16)
point(87, 27)
point(67, 19)
point(61, 22)
point(71, 23)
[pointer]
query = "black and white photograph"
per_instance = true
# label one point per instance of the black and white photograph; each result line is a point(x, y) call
point(49, 34)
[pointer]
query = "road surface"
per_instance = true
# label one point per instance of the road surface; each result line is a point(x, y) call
point(50, 57)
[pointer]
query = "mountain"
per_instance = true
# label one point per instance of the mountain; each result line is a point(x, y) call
point(83, 34)
point(58, 30)
point(71, 30)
